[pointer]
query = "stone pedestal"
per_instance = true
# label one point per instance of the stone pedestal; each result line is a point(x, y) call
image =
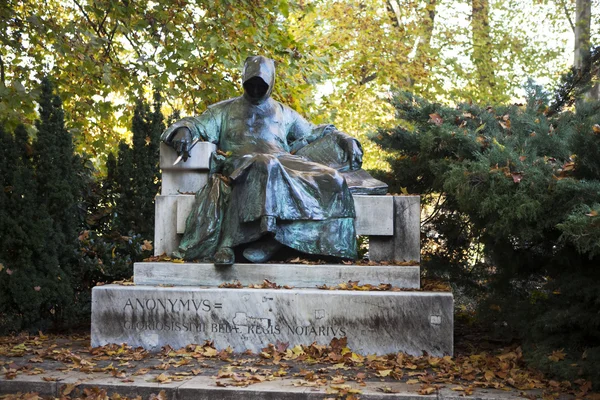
point(178, 304)
point(250, 319)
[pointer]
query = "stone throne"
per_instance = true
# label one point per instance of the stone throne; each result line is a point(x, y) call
point(181, 303)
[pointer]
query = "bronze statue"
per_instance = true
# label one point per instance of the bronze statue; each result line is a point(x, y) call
point(275, 181)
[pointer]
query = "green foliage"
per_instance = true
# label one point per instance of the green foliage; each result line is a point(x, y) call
point(39, 280)
point(136, 177)
point(575, 83)
point(109, 258)
point(120, 217)
point(47, 265)
point(512, 200)
point(110, 51)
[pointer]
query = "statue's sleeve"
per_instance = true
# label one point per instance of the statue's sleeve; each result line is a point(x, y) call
point(205, 127)
point(300, 132)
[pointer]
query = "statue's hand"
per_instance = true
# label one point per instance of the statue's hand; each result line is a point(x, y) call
point(181, 141)
point(353, 150)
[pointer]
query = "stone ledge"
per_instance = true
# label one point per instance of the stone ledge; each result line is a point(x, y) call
point(297, 275)
point(250, 319)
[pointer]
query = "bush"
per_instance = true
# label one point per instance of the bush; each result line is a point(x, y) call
point(513, 196)
point(39, 205)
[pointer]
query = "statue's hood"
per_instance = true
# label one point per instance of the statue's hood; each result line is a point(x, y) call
point(258, 67)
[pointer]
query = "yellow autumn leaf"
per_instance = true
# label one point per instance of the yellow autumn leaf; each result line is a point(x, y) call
point(210, 352)
point(163, 378)
point(557, 355)
point(427, 390)
point(384, 372)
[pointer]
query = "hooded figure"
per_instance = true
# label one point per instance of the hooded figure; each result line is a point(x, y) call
point(279, 183)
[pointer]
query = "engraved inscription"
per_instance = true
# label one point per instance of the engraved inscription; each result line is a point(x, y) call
point(174, 326)
point(167, 305)
point(173, 315)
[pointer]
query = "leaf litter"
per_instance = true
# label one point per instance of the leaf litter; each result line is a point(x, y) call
point(334, 368)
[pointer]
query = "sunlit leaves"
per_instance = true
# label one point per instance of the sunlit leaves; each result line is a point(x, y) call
point(106, 54)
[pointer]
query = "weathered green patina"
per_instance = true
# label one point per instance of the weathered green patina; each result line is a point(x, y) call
point(275, 181)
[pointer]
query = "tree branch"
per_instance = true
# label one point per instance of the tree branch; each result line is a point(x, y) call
point(367, 79)
point(87, 17)
point(393, 6)
point(568, 15)
point(99, 29)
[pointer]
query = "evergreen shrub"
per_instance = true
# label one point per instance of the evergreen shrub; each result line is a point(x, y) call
point(41, 188)
point(512, 198)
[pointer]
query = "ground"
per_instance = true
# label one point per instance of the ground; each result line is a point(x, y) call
point(64, 366)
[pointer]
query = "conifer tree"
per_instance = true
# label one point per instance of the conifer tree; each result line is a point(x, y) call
point(137, 171)
point(56, 174)
point(40, 222)
point(515, 224)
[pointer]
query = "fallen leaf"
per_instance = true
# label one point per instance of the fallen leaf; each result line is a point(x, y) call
point(517, 176)
point(436, 119)
point(163, 378)
point(557, 355)
point(387, 389)
point(67, 389)
point(426, 390)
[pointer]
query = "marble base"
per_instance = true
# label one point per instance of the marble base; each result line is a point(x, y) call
point(250, 319)
point(296, 275)
point(405, 243)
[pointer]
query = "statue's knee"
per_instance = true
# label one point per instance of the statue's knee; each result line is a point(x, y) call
point(265, 161)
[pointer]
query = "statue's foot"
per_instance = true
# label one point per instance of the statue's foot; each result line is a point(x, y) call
point(262, 250)
point(224, 257)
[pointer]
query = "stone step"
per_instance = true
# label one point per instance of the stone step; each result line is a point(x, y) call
point(297, 275)
point(249, 319)
point(205, 388)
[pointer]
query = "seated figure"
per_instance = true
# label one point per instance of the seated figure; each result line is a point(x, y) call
point(276, 179)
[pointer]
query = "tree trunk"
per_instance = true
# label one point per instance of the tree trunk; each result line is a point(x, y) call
point(482, 43)
point(583, 19)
